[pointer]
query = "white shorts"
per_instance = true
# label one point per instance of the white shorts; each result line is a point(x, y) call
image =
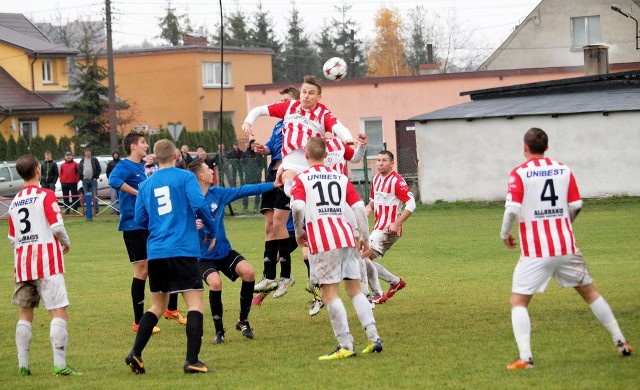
point(333, 266)
point(532, 274)
point(294, 161)
point(51, 289)
point(380, 242)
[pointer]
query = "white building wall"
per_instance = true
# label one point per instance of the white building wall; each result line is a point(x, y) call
point(460, 160)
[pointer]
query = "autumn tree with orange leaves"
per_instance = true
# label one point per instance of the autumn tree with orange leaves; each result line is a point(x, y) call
point(387, 55)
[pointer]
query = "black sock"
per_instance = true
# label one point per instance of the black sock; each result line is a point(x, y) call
point(246, 295)
point(173, 302)
point(306, 263)
point(145, 330)
point(215, 303)
point(270, 259)
point(194, 335)
point(293, 244)
point(285, 258)
point(137, 298)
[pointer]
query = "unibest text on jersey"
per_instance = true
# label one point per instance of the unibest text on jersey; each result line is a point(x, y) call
point(23, 202)
point(547, 172)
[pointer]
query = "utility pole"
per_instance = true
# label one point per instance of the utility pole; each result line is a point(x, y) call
point(113, 121)
point(352, 42)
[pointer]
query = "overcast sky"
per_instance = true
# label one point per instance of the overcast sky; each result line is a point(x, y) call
point(137, 20)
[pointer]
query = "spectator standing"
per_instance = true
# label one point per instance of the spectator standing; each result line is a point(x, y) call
point(49, 171)
point(150, 167)
point(184, 151)
point(69, 179)
point(35, 223)
point(112, 191)
point(253, 164)
point(233, 158)
point(89, 170)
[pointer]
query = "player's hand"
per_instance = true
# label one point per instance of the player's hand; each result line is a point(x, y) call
point(212, 240)
point(362, 138)
point(510, 242)
point(302, 240)
point(259, 149)
point(65, 249)
point(199, 224)
point(395, 228)
point(278, 181)
point(368, 209)
point(246, 127)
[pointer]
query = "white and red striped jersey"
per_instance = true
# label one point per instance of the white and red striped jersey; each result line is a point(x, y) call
point(338, 153)
point(37, 251)
point(543, 189)
point(326, 195)
point(300, 125)
point(388, 194)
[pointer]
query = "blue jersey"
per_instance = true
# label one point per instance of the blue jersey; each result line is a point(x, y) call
point(167, 204)
point(133, 174)
point(275, 144)
point(216, 199)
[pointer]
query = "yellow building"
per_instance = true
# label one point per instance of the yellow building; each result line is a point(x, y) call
point(181, 84)
point(34, 81)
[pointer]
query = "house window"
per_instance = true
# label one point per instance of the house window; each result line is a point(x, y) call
point(211, 74)
point(585, 30)
point(373, 130)
point(28, 129)
point(211, 119)
point(47, 72)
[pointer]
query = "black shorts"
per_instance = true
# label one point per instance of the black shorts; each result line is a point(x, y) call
point(174, 274)
point(136, 243)
point(275, 199)
point(227, 266)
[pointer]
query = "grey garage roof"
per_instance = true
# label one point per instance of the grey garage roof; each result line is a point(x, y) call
point(605, 93)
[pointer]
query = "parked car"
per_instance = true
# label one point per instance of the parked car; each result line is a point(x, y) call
point(103, 183)
point(10, 181)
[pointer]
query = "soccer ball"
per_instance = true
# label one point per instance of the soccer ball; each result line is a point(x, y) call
point(334, 69)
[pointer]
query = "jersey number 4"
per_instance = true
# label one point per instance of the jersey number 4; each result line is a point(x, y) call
point(549, 193)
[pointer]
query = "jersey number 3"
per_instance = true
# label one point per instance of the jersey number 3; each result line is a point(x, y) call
point(164, 201)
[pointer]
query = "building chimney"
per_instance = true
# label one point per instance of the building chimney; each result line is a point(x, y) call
point(596, 60)
point(429, 53)
point(190, 40)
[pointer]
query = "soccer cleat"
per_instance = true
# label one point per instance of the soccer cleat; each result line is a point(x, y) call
point(338, 353)
point(624, 349)
point(135, 363)
point(23, 371)
point(195, 368)
point(373, 347)
point(175, 315)
point(265, 285)
point(519, 364)
point(243, 326)
point(257, 300)
point(379, 299)
point(219, 338)
point(316, 305)
point(393, 289)
point(283, 286)
point(155, 330)
point(65, 371)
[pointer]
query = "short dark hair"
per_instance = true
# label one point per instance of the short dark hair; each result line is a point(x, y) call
point(130, 139)
point(537, 140)
point(387, 153)
point(27, 166)
point(195, 166)
point(313, 80)
point(291, 90)
point(316, 148)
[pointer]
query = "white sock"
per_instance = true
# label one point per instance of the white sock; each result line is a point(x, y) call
point(604, 314)
point(339, 323)
point(23, 341)
point(365, 315)
point(287, 187)
point(372, 274)
point(385, 275)
point(364, 280)
point(522, 331)
point(58, 335)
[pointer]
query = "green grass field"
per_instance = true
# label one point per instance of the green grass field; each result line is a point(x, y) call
point(449, 328)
